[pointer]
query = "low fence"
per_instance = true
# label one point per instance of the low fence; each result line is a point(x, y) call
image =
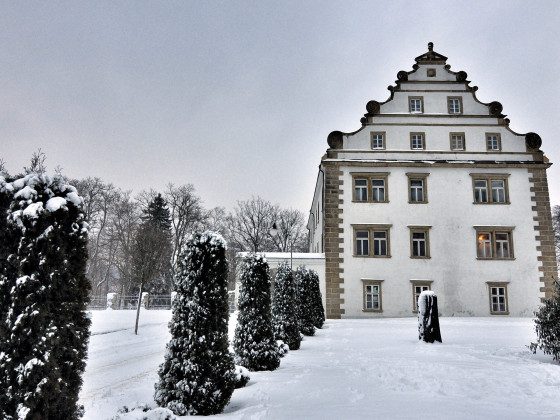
point(153, 302)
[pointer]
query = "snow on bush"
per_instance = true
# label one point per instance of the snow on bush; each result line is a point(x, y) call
point(242, 376)
point(547, 325)
point(284, 310)
point(254, 342)
point(197, 376)
point(283, 348)
point(144, 412)
point(44, 328)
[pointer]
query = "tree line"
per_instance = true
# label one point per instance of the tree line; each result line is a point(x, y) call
point(134, 241)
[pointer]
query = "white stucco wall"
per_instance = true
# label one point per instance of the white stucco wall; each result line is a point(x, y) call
point(458, 277)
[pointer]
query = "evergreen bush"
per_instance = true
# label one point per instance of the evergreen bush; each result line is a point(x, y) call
point(254, 342)
point(316, 300)
point(284, 310)
point(547, 325)
point(45, 329)
point(198, 374)
point(305, 301)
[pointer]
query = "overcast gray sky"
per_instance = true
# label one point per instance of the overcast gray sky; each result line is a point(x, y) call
point(238, 97)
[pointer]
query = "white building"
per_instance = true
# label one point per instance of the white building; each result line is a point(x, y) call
point(434, 191)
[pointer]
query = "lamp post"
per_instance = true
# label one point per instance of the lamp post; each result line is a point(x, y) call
point(274, 234)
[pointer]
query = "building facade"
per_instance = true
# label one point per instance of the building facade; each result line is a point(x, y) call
point(433, 192)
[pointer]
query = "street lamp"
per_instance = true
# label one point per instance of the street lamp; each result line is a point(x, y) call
point(274, 233)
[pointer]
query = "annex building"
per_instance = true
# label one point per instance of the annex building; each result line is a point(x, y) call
point(434, 192)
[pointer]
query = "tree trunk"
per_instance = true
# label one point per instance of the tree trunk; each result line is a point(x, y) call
point(138, 307)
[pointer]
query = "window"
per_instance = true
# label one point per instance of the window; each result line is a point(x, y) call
point(417, 141)
point(378, 140)
point(360, 189)
point(372, 295)
point(498, 298)
point(493, 142)
point(494, 242)
point(415, 105)
point(419, 286)
point(455, 105)
point(417, 188)
point(490, 188)
point(431, 72)
point(419, 241)
point(370, 187)
point(457, 141)
point(364, 247)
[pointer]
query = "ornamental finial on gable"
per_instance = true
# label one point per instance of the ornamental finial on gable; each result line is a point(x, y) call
point(431, 56)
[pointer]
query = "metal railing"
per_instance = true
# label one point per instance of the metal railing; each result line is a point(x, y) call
point(159, 301)
point(97, 302)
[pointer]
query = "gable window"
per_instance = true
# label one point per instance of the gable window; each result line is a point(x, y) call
point(419, 286)
point(364, 246)
point(457, 141)
point(455, 105)
point(490, 188)
point(417, 141)
point(419, 241)
point(370, 187)
point(378, 140)
point(493, 142)
point(372, 295)
point(431, 72)
point(494, 243)
point(497, 292)
point(417, 188)
point(415, 105)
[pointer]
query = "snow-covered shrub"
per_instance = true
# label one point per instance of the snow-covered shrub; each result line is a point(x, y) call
point(242, 377)
point(428, 317)
point(197, 376)
point(547, 325)
point(283, 348)
point(317, 300)
point(254, 342)
point(144, 412)
point(305, 301)
point(43, 296)
point(284, 309)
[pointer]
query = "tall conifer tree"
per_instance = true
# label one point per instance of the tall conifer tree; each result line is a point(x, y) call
point(43, 342)
point(306, 301)
point(254, 341)
point(197, 376)
point(284, 311)
point(317, 300)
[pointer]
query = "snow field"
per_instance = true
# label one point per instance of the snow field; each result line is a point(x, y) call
point(350, 369)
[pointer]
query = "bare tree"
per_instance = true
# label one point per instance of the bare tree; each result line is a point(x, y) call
point(187, 215)
point(3, 169)
point(292, 231)
point(99, 203)
point(249, 225)
point(124, 221)
point(150, 257)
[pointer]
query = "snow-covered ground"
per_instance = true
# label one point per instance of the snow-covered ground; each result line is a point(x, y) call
point(351, 369)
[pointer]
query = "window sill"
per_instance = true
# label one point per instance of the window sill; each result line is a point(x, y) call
point(495, 259)
point(492, 203)
point(371, 256)
point(419, 258)
point(370, 202)
point(373, 310)
point(417, 202)
point(499, 313)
